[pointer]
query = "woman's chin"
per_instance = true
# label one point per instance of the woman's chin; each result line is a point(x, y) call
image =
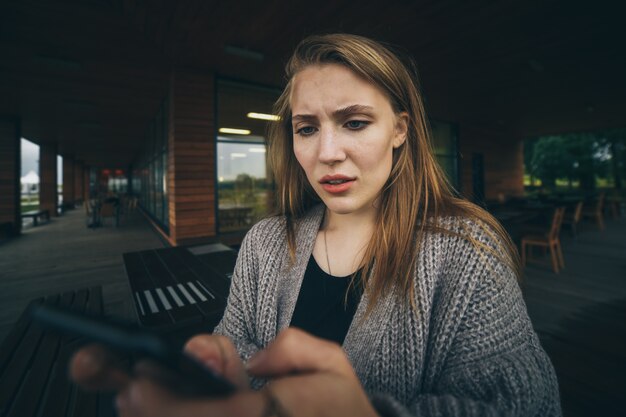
point(347, 207)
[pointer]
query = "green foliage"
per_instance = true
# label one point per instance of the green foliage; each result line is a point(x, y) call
point(29, 207)
point(577, 158)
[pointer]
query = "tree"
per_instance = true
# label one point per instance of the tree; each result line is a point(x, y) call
point(615, 141)
point(550, 160)
point(577, 156)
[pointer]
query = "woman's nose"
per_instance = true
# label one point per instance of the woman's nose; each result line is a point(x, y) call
point(331, 149)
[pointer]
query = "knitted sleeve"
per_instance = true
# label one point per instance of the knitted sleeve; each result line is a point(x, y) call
point(238, 322)
point(486, 359)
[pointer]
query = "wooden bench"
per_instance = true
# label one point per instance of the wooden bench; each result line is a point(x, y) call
point(174, 289)
point(33, 366)
point(36, 214)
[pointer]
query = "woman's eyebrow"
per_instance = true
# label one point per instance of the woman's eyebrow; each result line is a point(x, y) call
point(303, 117)
point(339, 113)
point(355, 108)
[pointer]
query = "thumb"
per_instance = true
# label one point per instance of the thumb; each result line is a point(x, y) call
point(218, 353)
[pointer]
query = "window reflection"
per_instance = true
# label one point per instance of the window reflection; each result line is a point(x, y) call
point(444, 139)
point(243, 188)
point(243, 184)
point(149, 181)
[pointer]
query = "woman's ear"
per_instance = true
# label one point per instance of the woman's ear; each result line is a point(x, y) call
point(402, 129)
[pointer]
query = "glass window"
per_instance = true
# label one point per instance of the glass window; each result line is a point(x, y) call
point(444, 137)
point(150, 173)
point(243, 191)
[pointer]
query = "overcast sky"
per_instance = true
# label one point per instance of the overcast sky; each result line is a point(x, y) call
point(30, 157)
point(30, 160)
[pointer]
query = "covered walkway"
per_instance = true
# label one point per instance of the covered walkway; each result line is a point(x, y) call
point(63, 255)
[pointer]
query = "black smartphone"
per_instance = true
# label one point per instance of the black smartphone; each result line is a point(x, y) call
point(179, 372)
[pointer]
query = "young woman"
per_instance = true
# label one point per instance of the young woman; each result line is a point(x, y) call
point(374, 291)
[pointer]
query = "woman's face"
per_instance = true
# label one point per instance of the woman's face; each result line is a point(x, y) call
point(345, 131)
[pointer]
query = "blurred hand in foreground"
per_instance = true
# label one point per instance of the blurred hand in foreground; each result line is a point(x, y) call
point(308, 377)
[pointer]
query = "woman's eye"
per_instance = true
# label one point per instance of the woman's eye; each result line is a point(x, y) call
point(356, 124)
point(306, 131)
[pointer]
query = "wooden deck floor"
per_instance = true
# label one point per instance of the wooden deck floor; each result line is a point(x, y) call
point(579, 314)
point(64, 254)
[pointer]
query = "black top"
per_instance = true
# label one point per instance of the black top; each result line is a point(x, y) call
point(321, 308)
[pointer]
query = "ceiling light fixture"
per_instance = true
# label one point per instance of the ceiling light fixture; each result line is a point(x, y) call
point(263, 116)
point(234, 131)
point(256, 150)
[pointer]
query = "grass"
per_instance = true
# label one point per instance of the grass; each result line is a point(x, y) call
point(28, 207)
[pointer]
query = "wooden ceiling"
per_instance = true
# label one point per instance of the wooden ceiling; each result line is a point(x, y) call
point(89, 74)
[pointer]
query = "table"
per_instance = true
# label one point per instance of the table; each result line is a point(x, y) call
point(172, 288)
point(513, 220)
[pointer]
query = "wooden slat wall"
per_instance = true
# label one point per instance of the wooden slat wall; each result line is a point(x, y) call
point(68, 180)
point(10, 173)
point(78, 180)
point(191, 157)
point(48, 178)
point(503, 160)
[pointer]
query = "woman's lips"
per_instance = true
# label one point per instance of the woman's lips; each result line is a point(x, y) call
point(336, 184)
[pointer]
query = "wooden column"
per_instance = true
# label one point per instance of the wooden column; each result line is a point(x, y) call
point(10, 166)
point(503, 158)
point(68, 181)
point(48, 178)
point(191, 157)
point(79, 178)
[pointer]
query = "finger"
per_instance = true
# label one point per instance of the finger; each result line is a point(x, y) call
point(95, 368)
point(218, 353)
point(144, 397)
point(295, 351)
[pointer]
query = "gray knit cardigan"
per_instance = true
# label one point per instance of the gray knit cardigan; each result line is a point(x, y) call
point(469, 351)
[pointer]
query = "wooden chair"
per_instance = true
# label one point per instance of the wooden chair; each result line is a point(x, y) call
point(572, 218)
point(549, 240)
point(595, 211)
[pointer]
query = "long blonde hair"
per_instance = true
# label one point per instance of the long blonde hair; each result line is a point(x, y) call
point(417, 193)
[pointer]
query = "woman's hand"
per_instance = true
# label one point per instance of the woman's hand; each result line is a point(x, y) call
point(309, 377)
point(95, 368)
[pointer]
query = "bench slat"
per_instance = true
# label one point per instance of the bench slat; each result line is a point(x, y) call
point(215, 280)
point(60, 388)
point(35, 381)
point(32, 392)
point(16, 334)
point(184, 262)
point(163, 275)
point(140, 282)
point(222, 262)
point(17, 368)
point(26, 402)
point(213, 309)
